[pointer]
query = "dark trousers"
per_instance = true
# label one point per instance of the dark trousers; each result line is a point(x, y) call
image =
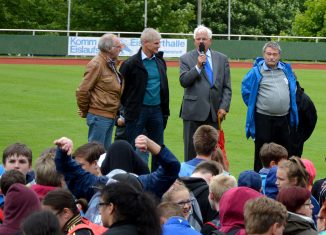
point(150, 119)
point(270, 129)
point(189, 128)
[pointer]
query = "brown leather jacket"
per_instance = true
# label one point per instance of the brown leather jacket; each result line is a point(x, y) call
point(100, 91)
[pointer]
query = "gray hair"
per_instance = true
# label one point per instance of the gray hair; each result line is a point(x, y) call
point(150, 35)
point(203, 29)
point(273, 45)
point(106, 42)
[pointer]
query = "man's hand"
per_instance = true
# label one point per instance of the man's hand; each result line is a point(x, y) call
point(65, 144)
point(201, 60)
point(143, 143)
point(221, 114)
point(81, 114)
point(121, 121)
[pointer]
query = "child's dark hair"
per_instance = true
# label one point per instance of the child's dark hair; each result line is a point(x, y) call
point(17, 149)
point(90, 152)
point(132, 205)
point(210, 166)
point(205, 139)
point(59, 199)
point(82, 204)
point(41, 223)
point(9, 178)
point(272, 152)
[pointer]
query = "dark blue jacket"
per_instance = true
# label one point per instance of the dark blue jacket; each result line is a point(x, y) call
point(84, 184)
point(136, 76)
point(271, 189)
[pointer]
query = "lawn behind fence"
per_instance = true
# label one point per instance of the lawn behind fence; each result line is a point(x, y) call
point(38, 105)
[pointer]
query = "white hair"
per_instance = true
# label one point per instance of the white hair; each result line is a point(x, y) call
point(106, 42)
point(203, 29)
point(149, 35)
point(273, 45)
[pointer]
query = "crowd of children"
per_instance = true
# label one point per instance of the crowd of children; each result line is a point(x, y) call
point(93, 191)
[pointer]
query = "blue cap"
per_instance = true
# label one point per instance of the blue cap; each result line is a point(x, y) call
point(250, 179)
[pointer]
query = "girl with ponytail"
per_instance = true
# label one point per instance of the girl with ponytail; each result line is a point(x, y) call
point(125, 210)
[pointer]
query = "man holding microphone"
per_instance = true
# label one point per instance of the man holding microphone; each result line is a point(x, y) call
point(205, 77)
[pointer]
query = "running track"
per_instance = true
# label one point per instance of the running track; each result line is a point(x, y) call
point(72, 61)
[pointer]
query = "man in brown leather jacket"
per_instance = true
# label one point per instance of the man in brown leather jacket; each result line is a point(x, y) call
point(98, 95)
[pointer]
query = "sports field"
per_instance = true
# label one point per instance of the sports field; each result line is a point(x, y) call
point(38, 105)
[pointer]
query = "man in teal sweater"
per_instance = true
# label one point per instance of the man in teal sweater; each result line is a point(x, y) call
point(146, 95)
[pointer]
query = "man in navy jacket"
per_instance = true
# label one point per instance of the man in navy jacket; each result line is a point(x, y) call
point(146, 95)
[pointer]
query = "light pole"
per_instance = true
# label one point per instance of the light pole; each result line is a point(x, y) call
point(199, 12)
point(229, 20)
point(68, 20)
point(145, 15)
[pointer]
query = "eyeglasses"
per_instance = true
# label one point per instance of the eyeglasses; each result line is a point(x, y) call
point(119, 46)
point(100, 204)
point(183, 203)
point(308, 204)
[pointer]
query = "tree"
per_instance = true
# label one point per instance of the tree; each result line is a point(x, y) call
point(33, 14)
point(244, 16)
point(279, 15)
point(171, 15)
point(104, 15)
point(312, 22)
point(128, 15)
point(50, 14)
point(261, 17)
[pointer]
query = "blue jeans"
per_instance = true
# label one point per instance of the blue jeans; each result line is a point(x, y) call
point(100, 129)
point(150, 119)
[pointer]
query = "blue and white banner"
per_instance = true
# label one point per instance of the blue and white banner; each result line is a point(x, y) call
point(87, 46)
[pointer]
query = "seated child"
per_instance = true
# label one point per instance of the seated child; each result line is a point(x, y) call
point(18, 157)
point(270, 155)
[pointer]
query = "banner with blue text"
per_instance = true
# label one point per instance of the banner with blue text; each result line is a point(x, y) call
point(87, 46)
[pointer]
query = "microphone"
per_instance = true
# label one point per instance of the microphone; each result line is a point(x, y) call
point(202, 49)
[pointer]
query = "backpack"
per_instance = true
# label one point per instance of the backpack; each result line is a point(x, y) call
point(233, 231)
point(263, 182)
point(196, 217)
point(86, 224)
point(214, 223)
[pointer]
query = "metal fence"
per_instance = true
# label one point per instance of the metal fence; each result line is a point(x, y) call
point(175, 35)
point(55, 43)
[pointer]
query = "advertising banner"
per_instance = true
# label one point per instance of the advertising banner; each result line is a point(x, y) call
point(87, 46)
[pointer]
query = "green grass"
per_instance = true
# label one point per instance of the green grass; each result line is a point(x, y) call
point(38, 105)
